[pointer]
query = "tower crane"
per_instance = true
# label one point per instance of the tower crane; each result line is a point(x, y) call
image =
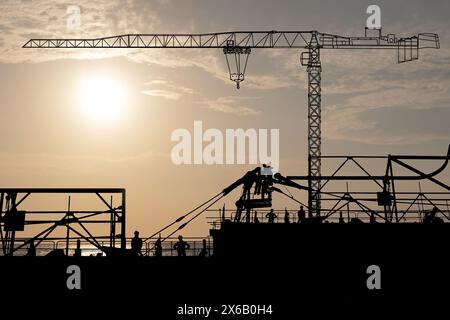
point(238, 45)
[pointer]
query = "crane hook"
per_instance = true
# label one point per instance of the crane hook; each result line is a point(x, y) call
point(237, 73)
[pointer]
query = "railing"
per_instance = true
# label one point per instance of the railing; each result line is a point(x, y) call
point(348, 215)
point(87, 249)
point(45, 247)
point(195, 243)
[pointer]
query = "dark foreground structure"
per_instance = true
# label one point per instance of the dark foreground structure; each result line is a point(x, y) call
point(294, 268)
point(365, 250)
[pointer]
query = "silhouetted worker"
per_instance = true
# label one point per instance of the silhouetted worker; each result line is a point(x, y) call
point(372, 218)
point(136, 244)
point(204, 251)
point(263, 184)
point(430, 216)
point(158, 247)
point(356, 220)
point(301, 214)
point(255, 219)
point(341, 218)
point(223, 213)
point(271, 216)
point(78, 250)
point(31, 250)
point(286, 216)
point(181, 246)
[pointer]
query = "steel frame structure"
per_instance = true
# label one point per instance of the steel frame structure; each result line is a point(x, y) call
point(386, 188)
point(241, 42)
point(391, 205)
point(243, 39)
point(258, 188)
point(14, 219)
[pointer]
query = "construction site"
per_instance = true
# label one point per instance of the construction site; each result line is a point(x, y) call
point(391, 211)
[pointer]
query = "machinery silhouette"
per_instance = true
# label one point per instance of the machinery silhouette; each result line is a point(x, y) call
point(241, 43)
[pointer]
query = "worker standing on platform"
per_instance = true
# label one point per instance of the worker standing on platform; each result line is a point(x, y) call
point(31, 250)
point(136, 244)
point(341, 218)
point(255, 219)
point(372, 217)
point(286, 216)
point(158, 247)
point(271, 216)
point(77, 252)
point(204, 252)
point(181, 246)
point(301, 215)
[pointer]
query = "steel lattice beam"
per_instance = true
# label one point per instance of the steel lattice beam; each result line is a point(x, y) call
point(13, 217)
point(314, 69)
point(250, 39)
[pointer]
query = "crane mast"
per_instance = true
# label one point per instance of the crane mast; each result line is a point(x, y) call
point(237, 47)
point(311, 59)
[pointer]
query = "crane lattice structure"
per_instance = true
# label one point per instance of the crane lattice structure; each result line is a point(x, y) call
point(240, 43)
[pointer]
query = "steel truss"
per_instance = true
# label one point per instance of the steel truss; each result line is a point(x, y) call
point(246, 39)
point(78, 224)
point(391, 204)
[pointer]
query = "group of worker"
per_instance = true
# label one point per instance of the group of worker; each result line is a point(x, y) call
point(180, 246)
point(272, 216)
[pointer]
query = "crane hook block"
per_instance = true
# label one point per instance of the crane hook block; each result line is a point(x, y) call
point(235, 63)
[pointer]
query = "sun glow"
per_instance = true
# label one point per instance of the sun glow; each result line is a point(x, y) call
point(101, 99)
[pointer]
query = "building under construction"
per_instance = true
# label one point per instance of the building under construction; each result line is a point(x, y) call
point(397, 218)
point(253, 252)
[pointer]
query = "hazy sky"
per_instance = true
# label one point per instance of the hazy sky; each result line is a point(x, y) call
point(371, 105)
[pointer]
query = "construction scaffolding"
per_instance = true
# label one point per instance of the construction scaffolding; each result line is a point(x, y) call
point(98, 219)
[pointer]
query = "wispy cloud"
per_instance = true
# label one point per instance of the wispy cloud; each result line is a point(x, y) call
point(397, 112)
point(166, 89)
point(394, 126)
point(231, 105)
point(369, 91)
point(22, 20)
point(170, 95)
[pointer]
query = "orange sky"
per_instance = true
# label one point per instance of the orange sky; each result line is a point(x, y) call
point(371, 105)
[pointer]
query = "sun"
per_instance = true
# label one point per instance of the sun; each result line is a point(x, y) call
point(101, 99)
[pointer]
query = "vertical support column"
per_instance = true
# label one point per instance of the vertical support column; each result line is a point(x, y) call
point(112, 223)
point(314, 69)
point(123, 237)
point(390, 207)
point(12, 233)
point(387, 204)
point(2, 195)
point(394, 200)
